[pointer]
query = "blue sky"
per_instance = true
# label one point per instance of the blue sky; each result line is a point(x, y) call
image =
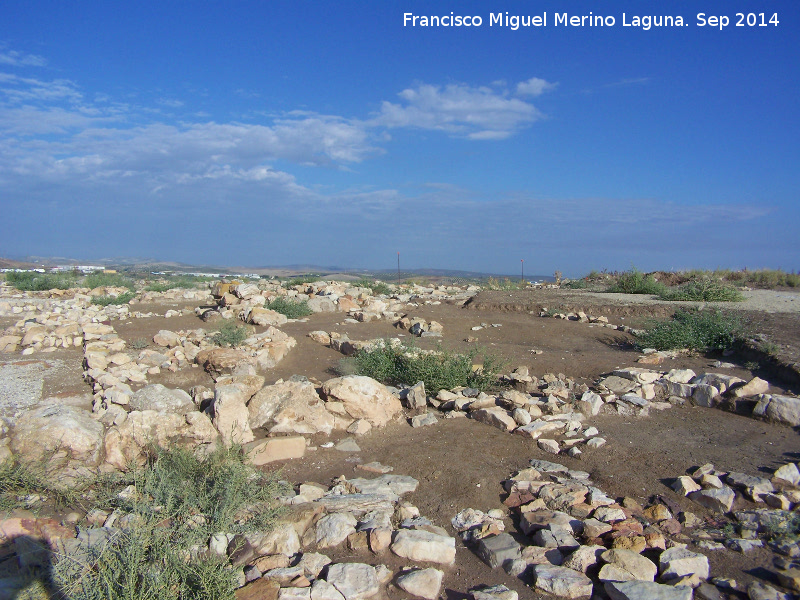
point(274, 133)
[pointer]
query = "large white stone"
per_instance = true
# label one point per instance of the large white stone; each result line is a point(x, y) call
point(41, 432)
point(290, 407)
point(162, 399)
point(363, 398)
point(355, 581)
point(420, 545)
point(561, 581)
point(424, 583)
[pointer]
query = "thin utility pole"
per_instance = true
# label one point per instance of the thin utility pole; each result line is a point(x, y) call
point(522, 267)
point(398, 267)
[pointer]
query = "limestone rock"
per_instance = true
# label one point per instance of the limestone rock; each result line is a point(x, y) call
point(363, 398)
point(424, 583)
point(583, 558)
point(223, 360)
point(495, 417)
point(322, 590)
point(719, 500)
point(355, 581)
point(162, 399)
point(420, 545)
point(497, 550)
point(125, 443)
point(269, 450)
point(645, 590)
point(782, 409)
point(626, 565)
point(265, 317)
point(788, 473)
point(679, 562)
point(290, 407)
point(41, 432)
point(561, 581)
point(494, 592)
point(333, 529)
point(752, 388)
point(231, 417)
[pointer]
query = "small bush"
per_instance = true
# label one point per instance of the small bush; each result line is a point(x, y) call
point(493, 283)
point(439, 370)
point(123, 298)
point(31, 281)
point(636, 282)
point(20, 481)
point(293, 309)
point(301, 280)
point(703, 290)
point(576, 284)
point(376, 287)
point(96, 280)
point(185, 282)
point(230, 333)
point(697, 330)
point(139, 344)
point(158, 555)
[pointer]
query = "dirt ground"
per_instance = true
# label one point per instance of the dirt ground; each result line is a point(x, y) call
point(461, 463)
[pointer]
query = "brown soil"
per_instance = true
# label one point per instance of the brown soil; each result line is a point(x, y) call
point(461, 463)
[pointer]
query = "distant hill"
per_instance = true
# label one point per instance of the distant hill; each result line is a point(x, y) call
point(150, 264)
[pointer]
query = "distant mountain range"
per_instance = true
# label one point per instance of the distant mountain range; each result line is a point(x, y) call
point(149, 264)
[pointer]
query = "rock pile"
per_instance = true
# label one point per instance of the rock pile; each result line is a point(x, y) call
point(582, 540)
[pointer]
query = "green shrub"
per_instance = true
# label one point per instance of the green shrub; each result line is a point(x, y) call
point(439, 370)
point(96, 280)
point(158, 555)
point(575, 284)
point(703, 290)
point(123, 298)
point(19, 481)
point(636, 282)
point(139, 344)
point(697, 330)
point(185, 282)
point(293, 309)
point(376, 287)
point(31, 281)
point(230, 333)
point(301, 280)
point(493, 283)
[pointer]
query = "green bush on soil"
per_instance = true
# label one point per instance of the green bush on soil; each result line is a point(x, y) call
point(31, 281)
point(376, 287)
point(96, 280)
point(636, 282)
point(440, 370)
point(185, 282)
point(703, 290)
point(230, 333)
point(293, 309)
point(21, 481)
point(701, 330)
point(123, 298)
point(156, 556)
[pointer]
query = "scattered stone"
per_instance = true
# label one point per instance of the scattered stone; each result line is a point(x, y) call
point(497, 550)
point(355, 581)
point(645, 590)
point(420, 545)
point(561, 581)
point(424, 583)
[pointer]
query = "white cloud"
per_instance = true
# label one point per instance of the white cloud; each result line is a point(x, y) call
point(170, 102)
point(459, 109)
point(21, 89)
point(20, 59)
point(534, 87)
